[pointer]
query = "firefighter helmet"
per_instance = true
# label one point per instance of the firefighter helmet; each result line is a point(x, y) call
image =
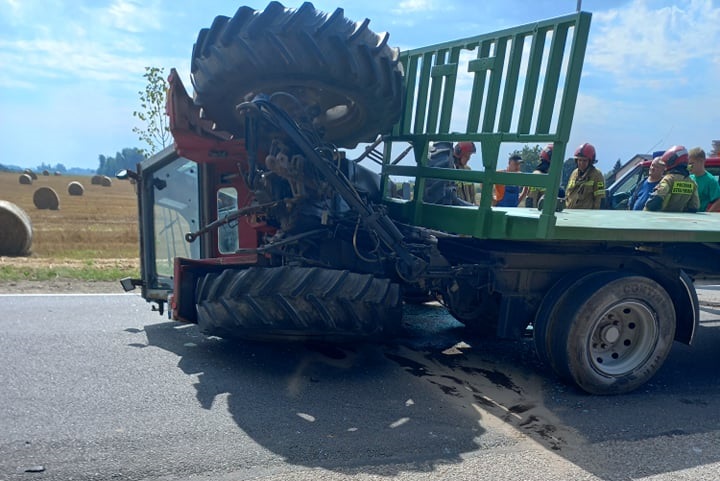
point(464, 148)
point(675, 156)
point(546, 153)
point(587, 151)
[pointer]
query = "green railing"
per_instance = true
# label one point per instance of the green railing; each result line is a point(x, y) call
point(524, 86)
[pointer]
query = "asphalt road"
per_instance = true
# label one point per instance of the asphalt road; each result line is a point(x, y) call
point(99, 387)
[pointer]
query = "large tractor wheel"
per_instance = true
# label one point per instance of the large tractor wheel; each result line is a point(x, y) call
point(298, 303)
point(612, 332)
point(343, 73)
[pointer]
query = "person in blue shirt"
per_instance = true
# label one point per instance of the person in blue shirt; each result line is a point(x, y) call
point(509, 195)
point(645, 188)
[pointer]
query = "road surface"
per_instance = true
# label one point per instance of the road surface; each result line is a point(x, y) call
point(98, 387)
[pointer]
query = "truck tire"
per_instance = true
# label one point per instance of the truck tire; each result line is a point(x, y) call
point(613, 332)
point(297, 303)
point(546, 314)
point(339, 69)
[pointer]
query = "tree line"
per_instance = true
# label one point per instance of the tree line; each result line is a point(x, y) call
point(127, 158)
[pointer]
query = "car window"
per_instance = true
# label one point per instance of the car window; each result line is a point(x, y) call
point(714, 170)
point(628, 185)
point(620, 192)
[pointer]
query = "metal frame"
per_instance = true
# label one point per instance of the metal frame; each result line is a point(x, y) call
point(500, 110)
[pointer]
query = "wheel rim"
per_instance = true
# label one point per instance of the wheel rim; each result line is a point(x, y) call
point(623, 338)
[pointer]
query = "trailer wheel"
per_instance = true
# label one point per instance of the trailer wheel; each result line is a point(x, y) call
point(341, 71)
point(298, 303)
point(477, 308)
point(546, 314)
point(613, 332)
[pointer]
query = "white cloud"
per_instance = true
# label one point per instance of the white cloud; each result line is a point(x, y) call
point(639, 45)
point(107, 44)
point(409, 6)
point(13, 4)
point(134, 16)
point(41, 60)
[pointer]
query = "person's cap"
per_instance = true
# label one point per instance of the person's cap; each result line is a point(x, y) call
point(516, 158)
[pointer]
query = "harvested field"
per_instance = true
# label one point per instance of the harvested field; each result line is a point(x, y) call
point(100, 224)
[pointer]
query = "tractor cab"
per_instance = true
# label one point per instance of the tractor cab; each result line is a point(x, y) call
point(169, 207)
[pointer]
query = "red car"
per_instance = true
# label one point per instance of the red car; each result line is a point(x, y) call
point(619, 193)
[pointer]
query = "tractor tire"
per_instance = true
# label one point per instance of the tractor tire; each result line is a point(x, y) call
point(341, 71)
point(298, 303)
point(613, 332)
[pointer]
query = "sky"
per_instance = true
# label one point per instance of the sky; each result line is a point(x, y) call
point(72, 70)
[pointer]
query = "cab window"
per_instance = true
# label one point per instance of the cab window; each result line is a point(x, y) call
point(227, 233)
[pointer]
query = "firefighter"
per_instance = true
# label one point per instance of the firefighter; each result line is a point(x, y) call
point(461, 156)
point(447, 192)
point(533, 194)
point(676, 191)
point(586, 187)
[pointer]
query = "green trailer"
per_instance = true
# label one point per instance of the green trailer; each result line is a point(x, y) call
point(262, 221)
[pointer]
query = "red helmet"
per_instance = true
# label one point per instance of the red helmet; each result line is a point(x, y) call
point(675, 156)
point(464, 148)
point(587, 151)
point(546, 153)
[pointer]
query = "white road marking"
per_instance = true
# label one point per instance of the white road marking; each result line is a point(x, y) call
point(40, 294)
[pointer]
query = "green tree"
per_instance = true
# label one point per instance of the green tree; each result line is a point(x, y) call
point(530, 156)
point(156, 132)
point(128, 158)
point(51, 168)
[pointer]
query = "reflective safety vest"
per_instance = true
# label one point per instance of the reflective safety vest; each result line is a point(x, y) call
point(534, 193)
point(584, 189)
point(678, 192)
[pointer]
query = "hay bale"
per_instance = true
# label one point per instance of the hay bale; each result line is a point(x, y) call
point(25, 179)
point(16, 232)
point(46, 198)
point(75, 188)
point(32, 174)
point(45, 172)
point(106, 181)
point(57, 174)
point(96, 180)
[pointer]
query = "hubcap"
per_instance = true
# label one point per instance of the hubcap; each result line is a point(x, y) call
point(622, 338)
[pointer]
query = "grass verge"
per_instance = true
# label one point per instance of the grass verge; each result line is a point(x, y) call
point(48, 269)
point(83, 273)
